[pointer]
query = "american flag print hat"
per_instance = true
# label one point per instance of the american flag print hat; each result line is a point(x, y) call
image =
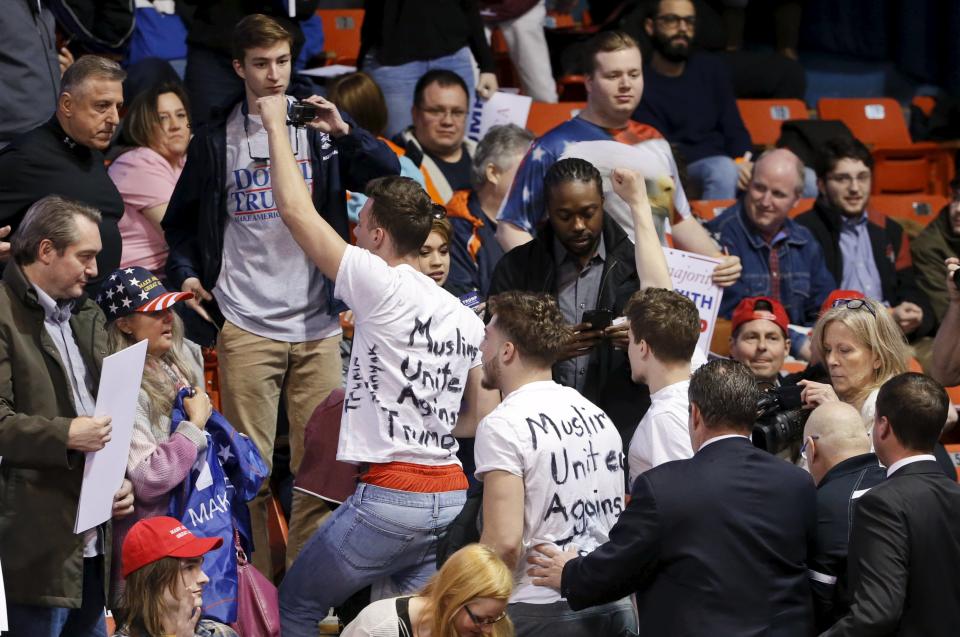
point(135, 289)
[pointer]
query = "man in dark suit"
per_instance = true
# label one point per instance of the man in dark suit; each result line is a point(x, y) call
point(714, 545)
point(837, 450)
point(905, 544)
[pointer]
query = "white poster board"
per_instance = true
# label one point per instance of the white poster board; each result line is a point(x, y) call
point(104, 470)
point(692, 276)
point(501, 108)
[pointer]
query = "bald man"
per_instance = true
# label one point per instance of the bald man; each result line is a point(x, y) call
point(837, 451)
point(781, 259)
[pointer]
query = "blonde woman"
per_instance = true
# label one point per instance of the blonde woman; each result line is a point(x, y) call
point(138, 307)
point(862, 347)
point(467, 597)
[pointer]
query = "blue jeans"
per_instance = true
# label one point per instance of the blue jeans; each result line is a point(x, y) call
point(44, 621)
point(558, 620)
point(378, 537)
point(397, 83)
point(715, 177)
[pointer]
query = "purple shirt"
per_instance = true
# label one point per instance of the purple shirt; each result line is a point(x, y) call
point(859, 269)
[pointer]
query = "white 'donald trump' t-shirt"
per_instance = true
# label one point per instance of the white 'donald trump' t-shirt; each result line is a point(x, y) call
point(414, 344)
point(570, 456)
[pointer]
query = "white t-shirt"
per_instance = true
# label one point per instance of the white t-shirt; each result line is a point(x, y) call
point(413, 346)
point(570, 456)
point(267, 285)
point(663, 434)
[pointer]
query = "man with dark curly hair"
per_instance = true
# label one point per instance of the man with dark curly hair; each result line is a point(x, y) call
point(551, 463)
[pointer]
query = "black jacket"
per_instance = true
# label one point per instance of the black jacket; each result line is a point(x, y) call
point(891, 253)
point(837, 496)
point(904, 552)
point(714, 546)
point(531, 268)
point(197, 214)
point(46, 161)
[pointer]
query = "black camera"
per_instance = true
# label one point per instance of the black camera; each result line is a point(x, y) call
point(301, 113)
point(780, 418)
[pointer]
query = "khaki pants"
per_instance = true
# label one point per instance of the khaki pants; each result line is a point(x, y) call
point(253, 373)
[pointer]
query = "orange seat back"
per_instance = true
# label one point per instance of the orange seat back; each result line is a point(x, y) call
point(921, 209)
point(545, 116)
point(878, 121)
point(708, 209)
point(763, 118)
point(341, 34)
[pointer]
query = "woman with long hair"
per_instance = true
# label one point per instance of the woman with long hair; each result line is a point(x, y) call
point(467, 597)
point(162, 562)
point(138, 307)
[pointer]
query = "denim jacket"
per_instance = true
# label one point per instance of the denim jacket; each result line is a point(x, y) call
point(804, 279)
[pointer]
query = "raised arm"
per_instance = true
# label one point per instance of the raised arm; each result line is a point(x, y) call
point(315, 236)
point(651, 264)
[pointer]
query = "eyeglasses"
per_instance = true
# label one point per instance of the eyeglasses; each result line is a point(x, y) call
point(847, 180)
point(246, 133)
point(854, 304)
point(440, 113)
point(803, 448)
point(486, 621)
point(671, 20)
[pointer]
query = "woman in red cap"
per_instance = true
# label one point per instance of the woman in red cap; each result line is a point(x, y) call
point(162, 563)
point(138, 307)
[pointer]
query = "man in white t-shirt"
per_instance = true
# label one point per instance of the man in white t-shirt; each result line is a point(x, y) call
point(664, 329)
point(551, 463)
point(280, 333)
point(413, 384)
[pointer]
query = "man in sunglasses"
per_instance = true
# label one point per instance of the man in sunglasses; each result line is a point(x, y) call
point(837, 453)
point(689, 98)
point(863, 250)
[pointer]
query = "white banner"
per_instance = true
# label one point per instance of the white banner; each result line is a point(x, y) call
point(103, 470)
point(692, 276)
point(501, 108)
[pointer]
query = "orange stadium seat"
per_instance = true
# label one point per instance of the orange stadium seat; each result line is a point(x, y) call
point(925, 103)
point(802, 205)
point(902, 166)
point(707, 209)
point(341, 34)
point(545, 116)
point(921, 209)
point(763, 118)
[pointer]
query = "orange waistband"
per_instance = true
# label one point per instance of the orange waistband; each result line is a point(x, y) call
point(416, 478)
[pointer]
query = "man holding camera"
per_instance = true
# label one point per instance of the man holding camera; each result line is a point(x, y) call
point(759, 337)
point(279, 327)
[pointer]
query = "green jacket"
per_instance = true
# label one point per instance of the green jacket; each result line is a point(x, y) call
point(929, 249)
point(41, 556)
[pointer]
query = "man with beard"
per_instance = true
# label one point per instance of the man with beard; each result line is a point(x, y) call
point(551, 463)
point(689, 98)
point(864, 250)
point(588, 264)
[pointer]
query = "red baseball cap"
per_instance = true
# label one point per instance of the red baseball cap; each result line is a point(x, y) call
point(151, 539)
point(747, 311)
point(839, 295)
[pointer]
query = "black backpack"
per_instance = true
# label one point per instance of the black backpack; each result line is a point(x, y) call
point(100, 26)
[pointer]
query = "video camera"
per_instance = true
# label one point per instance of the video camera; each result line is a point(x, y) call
point(780, 418)
point(299, 114)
